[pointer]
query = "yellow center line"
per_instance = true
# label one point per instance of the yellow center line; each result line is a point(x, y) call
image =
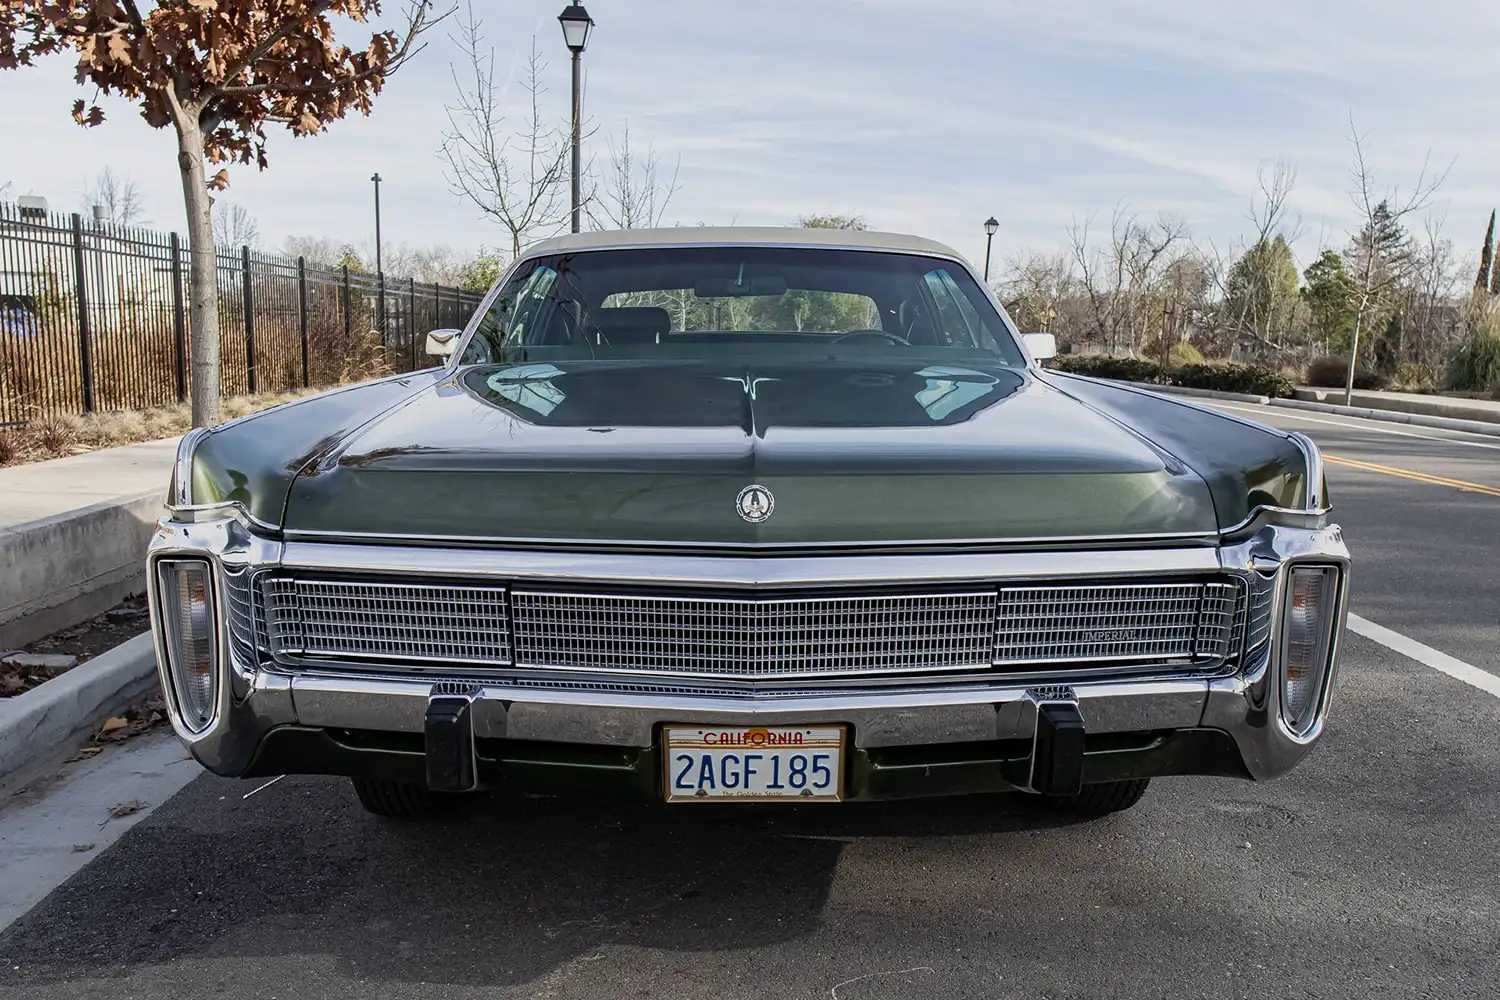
point(1421, 477)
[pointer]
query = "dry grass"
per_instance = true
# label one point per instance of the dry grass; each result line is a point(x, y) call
point(59, 436)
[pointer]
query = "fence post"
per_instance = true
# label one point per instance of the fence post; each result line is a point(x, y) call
point(302, 314)
point(249, 320)
point(85, 353)
point(179, 321)
point(348, 320)
point(437, 306)
point(411, 318)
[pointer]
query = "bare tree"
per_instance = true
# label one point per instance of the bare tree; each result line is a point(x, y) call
point(631, 194)
point(517, 178)
point(118, 197)
point(1037, 288)
point(1255, 279)
point(1125, 282)
point(1378, 265)
point(235, 227)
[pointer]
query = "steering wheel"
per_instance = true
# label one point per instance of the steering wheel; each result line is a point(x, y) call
point(888, 337)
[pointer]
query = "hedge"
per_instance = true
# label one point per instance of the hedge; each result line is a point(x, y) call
point(1220, 376)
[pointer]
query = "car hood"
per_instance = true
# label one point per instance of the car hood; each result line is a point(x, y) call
point(659, 452)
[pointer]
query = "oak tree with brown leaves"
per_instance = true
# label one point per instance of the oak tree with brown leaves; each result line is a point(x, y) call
point(218, 72)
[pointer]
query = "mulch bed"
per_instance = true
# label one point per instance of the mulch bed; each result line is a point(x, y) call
point(84, 641)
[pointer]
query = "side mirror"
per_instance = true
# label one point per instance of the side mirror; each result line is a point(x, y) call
point(1041, 346)
point(442, 343)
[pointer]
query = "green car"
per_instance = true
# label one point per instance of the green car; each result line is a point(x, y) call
point(746, 514)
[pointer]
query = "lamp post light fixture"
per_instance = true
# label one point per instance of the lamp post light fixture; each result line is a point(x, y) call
point(991, 227)
point(576, 27)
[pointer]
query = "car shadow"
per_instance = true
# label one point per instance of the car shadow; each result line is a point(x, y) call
point(503, 892)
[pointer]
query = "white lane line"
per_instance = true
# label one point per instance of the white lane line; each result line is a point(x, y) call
point(1371, 426)
point(1424, 654)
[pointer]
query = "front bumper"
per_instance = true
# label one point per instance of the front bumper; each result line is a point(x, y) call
point(930, 739)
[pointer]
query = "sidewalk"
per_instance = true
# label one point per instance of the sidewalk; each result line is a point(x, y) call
point(46, 489)
point(1485, 410)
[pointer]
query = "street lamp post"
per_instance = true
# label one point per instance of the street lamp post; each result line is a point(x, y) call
point(379, 267)
point(991, 227)
point(376, 179)
point(576, 26)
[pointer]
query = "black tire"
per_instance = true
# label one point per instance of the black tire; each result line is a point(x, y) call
point(1101, 799)
point(399, 800)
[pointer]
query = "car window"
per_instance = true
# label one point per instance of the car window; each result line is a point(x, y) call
point(764, 301)
point(801, 310)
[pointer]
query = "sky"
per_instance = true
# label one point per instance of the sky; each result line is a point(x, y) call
point(923, 117)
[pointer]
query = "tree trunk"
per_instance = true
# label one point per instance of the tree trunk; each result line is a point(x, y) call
point(203, 278)
point(1359, 320)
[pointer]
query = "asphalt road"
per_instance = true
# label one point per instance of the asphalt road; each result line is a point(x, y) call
point(1371, 871)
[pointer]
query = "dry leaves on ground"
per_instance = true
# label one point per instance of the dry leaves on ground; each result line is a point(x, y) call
point(119, 728)
point(122, 809)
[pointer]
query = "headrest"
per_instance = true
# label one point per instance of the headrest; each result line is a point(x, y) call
point(633, 324)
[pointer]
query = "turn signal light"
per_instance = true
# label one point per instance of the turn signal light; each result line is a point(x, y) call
point(1309, 631)
point(185, 586)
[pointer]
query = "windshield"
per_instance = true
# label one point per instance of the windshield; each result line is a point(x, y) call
point(757, 301)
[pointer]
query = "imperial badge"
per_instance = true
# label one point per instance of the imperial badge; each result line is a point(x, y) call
point(755, 503)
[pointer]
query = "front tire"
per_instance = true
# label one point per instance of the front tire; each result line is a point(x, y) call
point(400, 800)
point(1101, 799)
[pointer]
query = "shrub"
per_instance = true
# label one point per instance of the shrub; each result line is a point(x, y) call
point(1412, 376)
point(1330, 373)
point(1220, 376)
point(56, 434)
point(1226, 376)
point(1119, 369)
point(1476, 365)
point(1184, 353)
point(8, 448)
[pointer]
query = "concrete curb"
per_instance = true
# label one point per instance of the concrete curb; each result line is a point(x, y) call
point(66, 568)
point(42, 726)
point(1365, 413)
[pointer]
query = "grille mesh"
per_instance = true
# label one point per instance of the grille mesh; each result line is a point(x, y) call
point(1115, 622)
point(1258, 619)
point(398, 621)
point(246, 625)
point(1016, 629)
point(727, 637)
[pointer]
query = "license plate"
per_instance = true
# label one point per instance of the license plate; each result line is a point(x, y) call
point(755, 763)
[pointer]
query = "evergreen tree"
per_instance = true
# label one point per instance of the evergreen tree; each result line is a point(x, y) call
point(1486, 280)
point(1329, 294)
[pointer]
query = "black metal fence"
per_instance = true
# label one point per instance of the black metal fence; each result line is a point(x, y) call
point(93, 317)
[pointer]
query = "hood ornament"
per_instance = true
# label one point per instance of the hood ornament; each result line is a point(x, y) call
point(755, 503)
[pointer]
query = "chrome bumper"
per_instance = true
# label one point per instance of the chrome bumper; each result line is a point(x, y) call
point(256, 700)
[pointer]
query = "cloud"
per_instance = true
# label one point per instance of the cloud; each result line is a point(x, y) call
point(921, 117)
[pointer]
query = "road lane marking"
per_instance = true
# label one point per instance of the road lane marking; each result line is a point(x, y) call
point(1426, 655)
point(1370, 426)
point(1421, 477)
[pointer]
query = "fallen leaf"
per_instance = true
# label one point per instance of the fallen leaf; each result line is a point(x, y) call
point(80, 848)
point(114, 722)
point(84, 753)
point(126, 809)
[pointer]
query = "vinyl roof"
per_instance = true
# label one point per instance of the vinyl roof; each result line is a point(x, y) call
point(739, 236)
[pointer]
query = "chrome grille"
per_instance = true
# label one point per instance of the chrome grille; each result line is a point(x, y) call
point(1026, 629)
point(1258, 617)
point(1153, 622)
point(246, 623)
point(355, 619)
point(753, 637)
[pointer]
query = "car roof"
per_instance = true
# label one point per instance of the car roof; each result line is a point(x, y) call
point(862, 239)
